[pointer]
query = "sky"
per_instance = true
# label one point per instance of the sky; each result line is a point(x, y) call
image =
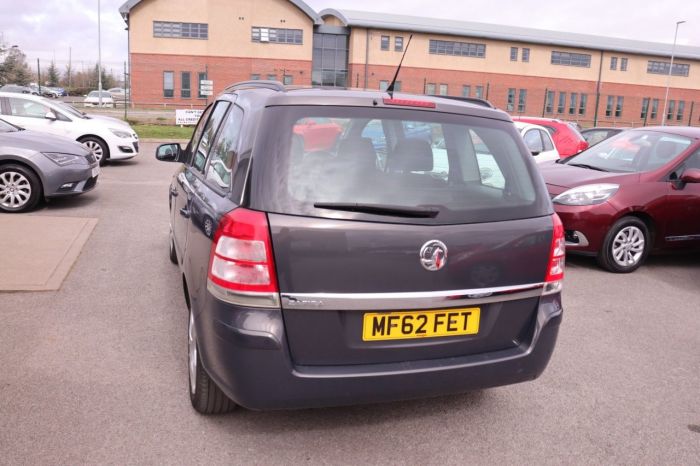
point(54, 29)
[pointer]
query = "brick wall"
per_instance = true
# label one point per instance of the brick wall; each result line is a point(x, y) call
point(147, 75)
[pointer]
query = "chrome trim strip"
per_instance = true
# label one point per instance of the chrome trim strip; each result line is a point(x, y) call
point(242, 298)
point(410, 300)
point(673, 239)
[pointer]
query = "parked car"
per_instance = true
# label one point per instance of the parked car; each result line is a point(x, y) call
point(566, 136)
point(631, 194)
point(599, 134)
point(538, 141)
point(36, 165)
point(45, 91)
point(18, 89)
point(319, 278)
point(118, 94)
point(108, 138)
point(93, 99)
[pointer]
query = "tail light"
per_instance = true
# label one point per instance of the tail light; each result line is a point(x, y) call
point(241, 257)
point(582, 145)
point(557, 256)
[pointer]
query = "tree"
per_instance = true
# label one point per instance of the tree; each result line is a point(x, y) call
point(14, 69)
point(107, 79)
point(52, 76)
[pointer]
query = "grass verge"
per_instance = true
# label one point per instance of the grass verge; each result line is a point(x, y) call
point(163, 131)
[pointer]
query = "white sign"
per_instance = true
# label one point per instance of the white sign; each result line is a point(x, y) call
point(206, 87)
point(209, 92)
point(187, 116)
point(206, 82)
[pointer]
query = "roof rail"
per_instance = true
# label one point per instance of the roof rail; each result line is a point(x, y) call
point(471, 100)
point(257, 84)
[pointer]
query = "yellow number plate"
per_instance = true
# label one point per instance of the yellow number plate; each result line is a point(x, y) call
point(420, 324)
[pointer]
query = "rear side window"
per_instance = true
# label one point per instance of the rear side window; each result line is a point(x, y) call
point(27, 108)
point(224, 151)
point(200, 154)
point(468, 169)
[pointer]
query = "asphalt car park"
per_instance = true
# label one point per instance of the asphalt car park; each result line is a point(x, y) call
point(97, 371)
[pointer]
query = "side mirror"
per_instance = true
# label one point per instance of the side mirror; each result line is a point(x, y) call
point(168, 152)
point(51, 116)
point(691, 175)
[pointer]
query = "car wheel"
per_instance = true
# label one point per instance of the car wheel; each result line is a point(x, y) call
point(205, 395)
point(98, 148)
point(173, 253)
point(626, 246)
point(20, 188)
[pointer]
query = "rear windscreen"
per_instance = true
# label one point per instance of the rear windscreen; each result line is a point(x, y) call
point(465, 169)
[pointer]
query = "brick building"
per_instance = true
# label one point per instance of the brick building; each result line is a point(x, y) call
point(609, 81)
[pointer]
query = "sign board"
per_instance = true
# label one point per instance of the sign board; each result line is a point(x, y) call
point(187, 116)
point(206, 87)
point(203, 92)
point(206, 82)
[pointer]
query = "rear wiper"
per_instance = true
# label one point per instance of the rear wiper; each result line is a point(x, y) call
point(590, 167)
point(380, 209)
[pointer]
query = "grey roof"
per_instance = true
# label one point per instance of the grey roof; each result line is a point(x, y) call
point(129, 4)
point(507, 33)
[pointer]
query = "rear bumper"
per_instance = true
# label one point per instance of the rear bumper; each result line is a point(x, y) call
point(246, 353)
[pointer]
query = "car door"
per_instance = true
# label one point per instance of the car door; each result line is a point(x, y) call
point(550, 151)
point(181, 189)
point(683, 207)
point(30, 114)
point(534, 143)
point(200, 209)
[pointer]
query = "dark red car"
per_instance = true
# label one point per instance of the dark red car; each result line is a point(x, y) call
point(636, 192)
point(567, 138)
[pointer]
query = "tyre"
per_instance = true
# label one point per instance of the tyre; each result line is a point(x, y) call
point(20, 188)
point(97, 147)
point(205, 395)
point(173, 253)
point(626, 246)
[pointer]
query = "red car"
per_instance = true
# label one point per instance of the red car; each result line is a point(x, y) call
point(567, 138)
point(628, 195)
point(318, 133)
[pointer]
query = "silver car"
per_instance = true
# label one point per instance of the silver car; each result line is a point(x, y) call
point(37, 165)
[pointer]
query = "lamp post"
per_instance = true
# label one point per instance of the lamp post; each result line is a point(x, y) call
point(670, 71)
point(99, 56)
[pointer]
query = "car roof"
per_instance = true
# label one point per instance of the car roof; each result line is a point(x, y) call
point(273, 93)
point(687, 131)
point(605, 128)
point(36, 98)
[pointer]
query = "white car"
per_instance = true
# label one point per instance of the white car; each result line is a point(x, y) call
point(538, 141)
point(93, 99)
point(118, 94)
point(108, 138)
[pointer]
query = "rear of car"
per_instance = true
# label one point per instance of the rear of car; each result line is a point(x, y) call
point(567, 138)
point(392, 264)
point(99, 99)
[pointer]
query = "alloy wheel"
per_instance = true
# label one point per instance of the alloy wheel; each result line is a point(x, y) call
point(95, 148)
point(628, 246)
point(15, 190)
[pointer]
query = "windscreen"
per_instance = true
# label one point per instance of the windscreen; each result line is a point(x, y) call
point(632, 152)
point(321, 161)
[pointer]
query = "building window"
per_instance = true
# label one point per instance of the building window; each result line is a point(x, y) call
point(330, 60)
point(443, 89)
point(461, 49)
point(383, 85)
point(287, 79)
point(562, 102)
point(398, 44)
point(613, 63)
point(180, 30)
point(201, 77)
point(168, 83)
point(272, 77)
point(549, 102)
point(522, 100)
point(582, 104)
point(623, 64)
point(385, 42)
point(618, 107)
point(185, 85)
point(277, 35)
point(671, 109)
point(662, 67)
point(466, 91)
point(571, 59)
point(681, 109)
point(654, 108)
point(526, 55)
point(479, 92)
point(645, 108)
point(254, 77)
point(510, 103)
point(573, 101)
point(430, 89)
point(609, 106)
point(514, 54)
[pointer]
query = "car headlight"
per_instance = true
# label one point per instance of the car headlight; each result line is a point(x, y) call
point(120, 133)
point(590, 194)
point(64, 159)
